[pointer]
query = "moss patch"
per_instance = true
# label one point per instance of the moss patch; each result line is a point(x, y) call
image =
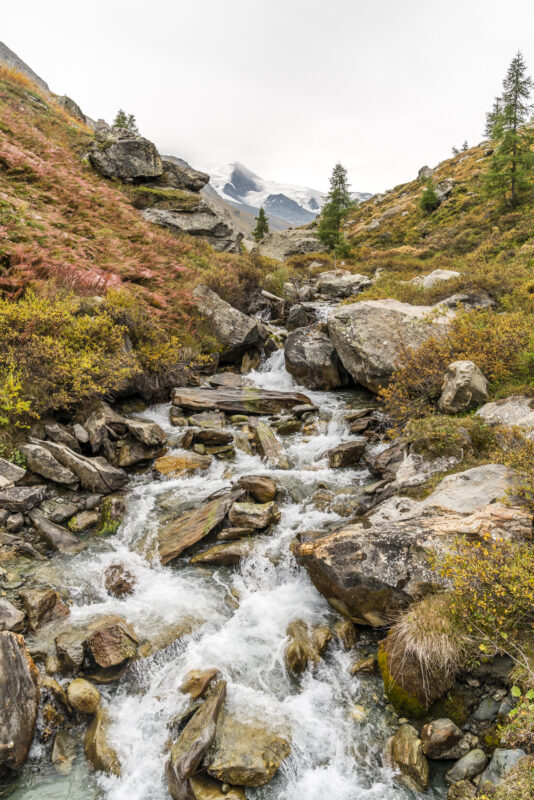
point(404, 702)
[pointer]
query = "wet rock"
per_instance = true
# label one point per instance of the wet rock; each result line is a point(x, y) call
point(464, 387)
point(57, 691)
point(19, 700)
point(70, 648)
point(197, 681)
point(111, 515)
point(235, 331)
point(368, 335)
point(182, 533)
point(312, 359)
point(63, 752)
point(346, 633)
point(515, 411)
point(288, 427)
point(404, 750)
point(182, 463)
point(41, 462)
point(127, 159)
point(111, 642)
point(127, 453)
point(84, 521)
point(205, 788)
point(250, 361)
point(467, 766)
point(98, 751)
point(11, 618)
point(42, 606)
point(254, 515)
point(212, 437)
point(58, 538)
point(366, 665)
point(439, 737)
point(22, 498)
point(305, 646)
point(487, 710)
point(347, 454)
point(385, 463)
point(500, 764)
point(262, 488)
point(188, 751)
point(227, 554)
point(118, 581)
point(83, 696)
point(247, 400)
point(269, 447)
point(148, 433)
point(11, 472)
point(63, 512)
point(95, 474)
point(228, 534)
point(245, 752)
point(297, 317)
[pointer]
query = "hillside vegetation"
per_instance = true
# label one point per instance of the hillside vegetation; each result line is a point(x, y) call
point(91, 294)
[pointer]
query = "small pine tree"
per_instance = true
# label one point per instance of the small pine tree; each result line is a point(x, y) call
point(335, 210)
point(262, 225)
point(465, 146)
point(429, 200)
point(124, 120)
point(455, 150)
point(511, 168)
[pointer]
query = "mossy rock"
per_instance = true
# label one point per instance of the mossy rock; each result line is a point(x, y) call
point(110, 516)
point(454, 705)
point(405, 703)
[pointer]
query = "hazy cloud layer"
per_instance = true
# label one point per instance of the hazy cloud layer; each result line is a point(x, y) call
point(287, 86)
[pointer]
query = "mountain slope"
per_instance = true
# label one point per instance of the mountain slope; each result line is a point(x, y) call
point(11, 60)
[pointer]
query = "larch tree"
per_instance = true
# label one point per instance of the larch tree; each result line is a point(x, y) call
point(334, 212)
point(124, 120)
point(262, 225)
point(510, 174)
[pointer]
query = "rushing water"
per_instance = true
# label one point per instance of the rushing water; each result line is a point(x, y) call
point(235, 619)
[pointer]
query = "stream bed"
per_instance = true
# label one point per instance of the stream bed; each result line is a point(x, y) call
point(232, 618)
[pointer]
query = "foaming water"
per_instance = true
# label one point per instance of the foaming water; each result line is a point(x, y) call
point(235, 620)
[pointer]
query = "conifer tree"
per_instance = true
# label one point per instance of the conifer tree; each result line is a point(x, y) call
point(455, 150)
point(429, 200)
point(511, 169)
point(262, 225)
point(335, 210)
point(124, 120)
point(465, 146)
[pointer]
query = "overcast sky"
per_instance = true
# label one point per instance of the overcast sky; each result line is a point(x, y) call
point(288, 87)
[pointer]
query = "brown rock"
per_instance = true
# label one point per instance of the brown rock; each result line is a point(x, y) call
point(118, 581)
point(83, 696)
point(439, 737)
point(205, 788)
point(306, 645)
point(346, 454)
point(111, 642)
point(226, 554)
point(182, 463)
point(19, 700)
point(254, 515)
point(42, 606)
point(262, 488)
point(247, 400)
point(197, 681)
point(11, 618)
point(98, 751)
point(404, 750)
point(269, 447)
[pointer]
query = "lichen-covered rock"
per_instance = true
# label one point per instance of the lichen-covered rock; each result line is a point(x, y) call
point(369, 335)
point(19, 700)
point(340, 283)
point(235, 331)
point(464, 387)
point(515, 411)
point(127, 159)
point(467, 766)
point(83, 696)
point(111, 515)
point(404, 750)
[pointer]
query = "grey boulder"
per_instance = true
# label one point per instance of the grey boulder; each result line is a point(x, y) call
point(235, 331)
point(127, 159)
point(464, 387)
point(311, 358)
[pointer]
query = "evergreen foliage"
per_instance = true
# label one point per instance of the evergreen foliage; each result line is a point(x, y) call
point(429, 199)
point(262, 225)
point(511, 170)
point(465, 146)
point(335, 210)
point(124, 120)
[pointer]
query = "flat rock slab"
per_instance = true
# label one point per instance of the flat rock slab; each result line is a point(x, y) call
point(247, 400)
point(227, 554)
point(193, 526)
point(22, 498)
point(57, 537)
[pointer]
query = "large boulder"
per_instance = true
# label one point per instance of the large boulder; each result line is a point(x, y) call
point(188, 751)
point(500, 764)
point(127, 159)
point(11, 618)
point(245, 752)
point(182, 176)
point(202, 219)
point(234, 331)
point(341, 283)
point(467, 766)
point(95, 474)
point(41, 462)
point(19, 700)
point(464, 387)
point(368, 335)
point(516, 411)
point(311, 358)
point(42, 606)
point(281, 245)
point(22, 498)
point(370, 571)
point(441, 740)
point(434, 278)
point(261, 487)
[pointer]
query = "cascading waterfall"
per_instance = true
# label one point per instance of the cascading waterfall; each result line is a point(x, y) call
point(234, 619)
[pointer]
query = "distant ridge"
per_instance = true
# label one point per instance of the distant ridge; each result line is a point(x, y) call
point(10, 59)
